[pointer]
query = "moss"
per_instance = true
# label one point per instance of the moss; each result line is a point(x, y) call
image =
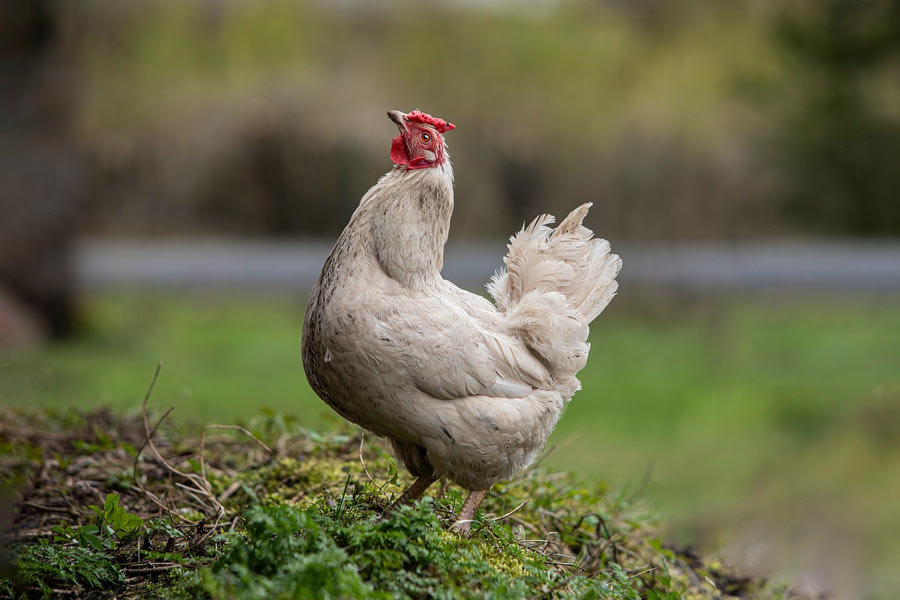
point(305, 523)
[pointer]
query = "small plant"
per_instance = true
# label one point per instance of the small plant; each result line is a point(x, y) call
point(47, 565)
point(114, 525)
point(83, 556)
point(113, 521)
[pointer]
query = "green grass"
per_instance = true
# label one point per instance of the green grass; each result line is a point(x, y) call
point(769, 421)
point(224, 359)
point(302, 521)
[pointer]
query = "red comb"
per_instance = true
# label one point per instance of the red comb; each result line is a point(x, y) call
point(439, 124)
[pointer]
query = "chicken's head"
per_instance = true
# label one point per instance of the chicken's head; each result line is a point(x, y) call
point(420, 144)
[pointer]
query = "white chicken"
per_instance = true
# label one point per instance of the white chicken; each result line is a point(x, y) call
point(462, 388)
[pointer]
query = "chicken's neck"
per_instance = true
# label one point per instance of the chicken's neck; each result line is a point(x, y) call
point(406, 218)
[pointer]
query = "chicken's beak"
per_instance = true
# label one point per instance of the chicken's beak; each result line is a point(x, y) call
point(399, 118)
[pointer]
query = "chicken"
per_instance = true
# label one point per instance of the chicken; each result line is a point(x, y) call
point(463, 388)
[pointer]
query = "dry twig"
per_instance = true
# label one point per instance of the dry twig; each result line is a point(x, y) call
point(510, 513)
point(199, 485)
point(362, 440)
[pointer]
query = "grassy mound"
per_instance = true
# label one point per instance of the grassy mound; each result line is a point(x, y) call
point(110, 506)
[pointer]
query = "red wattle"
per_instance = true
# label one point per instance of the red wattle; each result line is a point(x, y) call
point(399, 154)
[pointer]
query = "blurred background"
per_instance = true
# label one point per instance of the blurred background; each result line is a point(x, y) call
point(173, 172)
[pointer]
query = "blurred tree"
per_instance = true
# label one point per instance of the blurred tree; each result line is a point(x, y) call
point(266, 118)
point(40, 174)
point(841, 138)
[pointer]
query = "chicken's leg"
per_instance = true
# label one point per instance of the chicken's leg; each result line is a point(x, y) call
point(412, 493)
point(467, 514)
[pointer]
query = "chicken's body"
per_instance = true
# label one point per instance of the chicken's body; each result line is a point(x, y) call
point(463, 388)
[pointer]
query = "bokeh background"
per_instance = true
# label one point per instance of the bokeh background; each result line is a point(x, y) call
point(760, 418)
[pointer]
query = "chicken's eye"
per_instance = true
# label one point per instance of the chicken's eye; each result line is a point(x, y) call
point(425, 137)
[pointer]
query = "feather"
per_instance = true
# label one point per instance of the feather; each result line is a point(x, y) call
point(555, 282)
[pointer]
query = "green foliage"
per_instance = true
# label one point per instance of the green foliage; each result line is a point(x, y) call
point(87, 555)
point(45, 565)
point(330, 531)
point(288, 552)
point(115, 521)
point(86, 536)
point(114, 525)
point(283, 553)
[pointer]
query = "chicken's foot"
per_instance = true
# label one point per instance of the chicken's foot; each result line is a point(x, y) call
point(412, 493)
point(463, 523)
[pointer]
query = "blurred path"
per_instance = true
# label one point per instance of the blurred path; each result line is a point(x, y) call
point(293, 266)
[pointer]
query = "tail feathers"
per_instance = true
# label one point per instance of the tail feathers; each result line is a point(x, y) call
point(556, 282)
point(551, 328)
point(566, 260)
